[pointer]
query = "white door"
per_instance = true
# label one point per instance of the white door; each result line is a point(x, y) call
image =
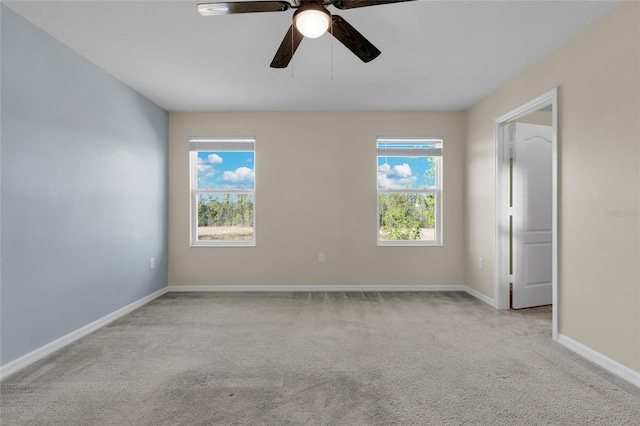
point(532, 215)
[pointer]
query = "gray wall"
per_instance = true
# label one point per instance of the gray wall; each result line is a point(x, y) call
point(84, 191)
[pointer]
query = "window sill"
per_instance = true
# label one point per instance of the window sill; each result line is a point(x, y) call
point(224, 244)
point(409, 244)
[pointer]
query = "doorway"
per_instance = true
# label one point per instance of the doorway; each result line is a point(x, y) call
point(526, 258)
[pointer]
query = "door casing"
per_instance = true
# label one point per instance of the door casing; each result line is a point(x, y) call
point(501, 256)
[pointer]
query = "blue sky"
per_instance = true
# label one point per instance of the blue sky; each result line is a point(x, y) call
point(235, 170)
point(404, 172)
point(225, 170)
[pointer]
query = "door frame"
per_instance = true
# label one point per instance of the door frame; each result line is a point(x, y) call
point(501, 257)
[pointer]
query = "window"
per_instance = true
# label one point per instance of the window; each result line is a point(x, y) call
point(222, 192)
point(409, 191)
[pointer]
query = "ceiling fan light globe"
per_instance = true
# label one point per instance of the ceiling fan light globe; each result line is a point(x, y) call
point(312, 23)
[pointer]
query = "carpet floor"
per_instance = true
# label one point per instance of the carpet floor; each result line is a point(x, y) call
point(319, 359)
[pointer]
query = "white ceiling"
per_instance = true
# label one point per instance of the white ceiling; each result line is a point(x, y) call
point(436, 55)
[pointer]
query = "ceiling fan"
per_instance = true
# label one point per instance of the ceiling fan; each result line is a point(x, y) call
point(311, 19)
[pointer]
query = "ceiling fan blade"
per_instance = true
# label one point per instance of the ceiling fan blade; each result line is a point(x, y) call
point(231, 7)
point(352, 4)
point(353, 40)
point(287, 48)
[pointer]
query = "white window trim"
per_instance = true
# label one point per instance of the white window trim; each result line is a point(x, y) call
point(218, 145)
point(437, 190)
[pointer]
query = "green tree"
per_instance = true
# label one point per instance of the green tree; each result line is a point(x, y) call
point(230, 210)
point(399, 218)
point(430, 172)
point(403, 216)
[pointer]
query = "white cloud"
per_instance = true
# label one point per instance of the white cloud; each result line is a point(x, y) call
point(384, 182)
point(402, 171)
point(385, 168)
point(214, 159)
point(205, 167)
point(397, 177)
point(205, 170)
point(238, 176)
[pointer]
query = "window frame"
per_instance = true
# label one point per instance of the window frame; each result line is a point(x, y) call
point(216, 145)
point(437, 155)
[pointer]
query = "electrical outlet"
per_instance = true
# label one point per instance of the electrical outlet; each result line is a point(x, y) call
point(320, 257)
point(152, 262)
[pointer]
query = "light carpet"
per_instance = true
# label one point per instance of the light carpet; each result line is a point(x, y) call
point(396, 358)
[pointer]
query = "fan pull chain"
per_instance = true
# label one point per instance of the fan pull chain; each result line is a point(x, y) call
point(292, 53)
point(332, 51)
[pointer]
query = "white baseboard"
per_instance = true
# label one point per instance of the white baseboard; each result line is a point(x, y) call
point(483, 298)
point(597, 358)
point(36, 355)
point(314, 288)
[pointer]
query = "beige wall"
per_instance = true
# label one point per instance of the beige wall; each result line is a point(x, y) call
point(599, 160)
point(316, 192)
